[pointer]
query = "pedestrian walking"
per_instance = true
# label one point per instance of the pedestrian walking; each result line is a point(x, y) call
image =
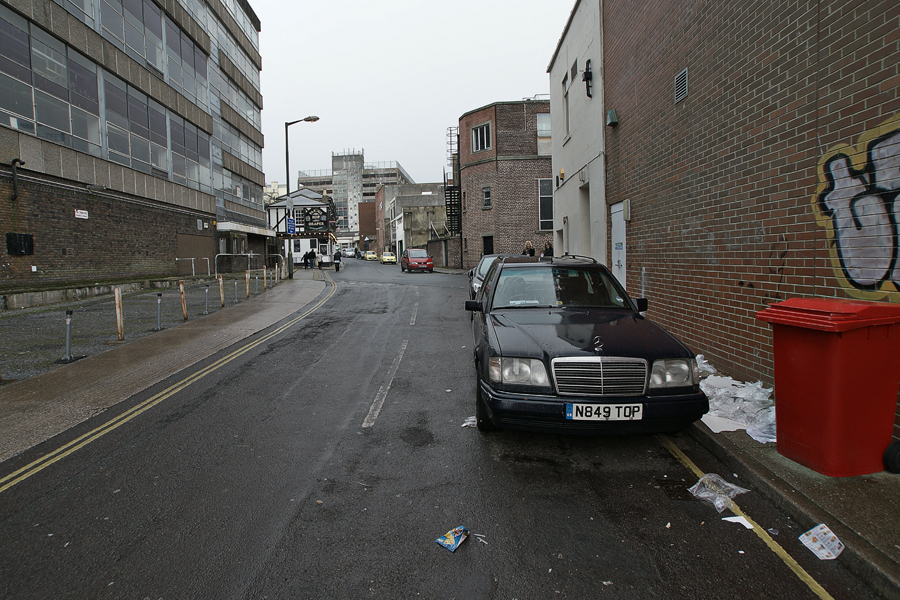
point(529, 249)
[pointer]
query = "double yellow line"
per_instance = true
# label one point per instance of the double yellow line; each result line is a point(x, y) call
point(95, 434)
point(774, 546)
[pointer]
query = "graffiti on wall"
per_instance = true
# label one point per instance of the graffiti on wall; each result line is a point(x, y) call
point(857, 202)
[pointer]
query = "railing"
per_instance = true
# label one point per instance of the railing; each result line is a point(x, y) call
point(193, 271)
point(238, 263)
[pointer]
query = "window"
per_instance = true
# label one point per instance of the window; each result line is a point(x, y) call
point(545, 204)
point(481, 137)
point(486, 192)
point(565, 85)
point(544, 145)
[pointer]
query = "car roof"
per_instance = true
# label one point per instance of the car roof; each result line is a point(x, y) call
point(567, 260)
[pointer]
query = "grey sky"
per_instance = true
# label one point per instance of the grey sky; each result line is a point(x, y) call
point(390, 76)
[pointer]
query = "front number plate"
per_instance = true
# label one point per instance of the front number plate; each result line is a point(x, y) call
point(604, 412)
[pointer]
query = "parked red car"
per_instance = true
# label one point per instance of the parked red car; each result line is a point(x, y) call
point(416, 259)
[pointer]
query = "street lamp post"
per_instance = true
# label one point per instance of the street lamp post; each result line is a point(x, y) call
point(289, 204)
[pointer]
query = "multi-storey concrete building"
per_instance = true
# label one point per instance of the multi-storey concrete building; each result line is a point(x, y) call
point(351, 181)
point(130, 136)
point(505, 178)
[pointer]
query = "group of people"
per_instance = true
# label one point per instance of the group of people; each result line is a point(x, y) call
point(311, 257)
point(530, 251)
point(309, 260)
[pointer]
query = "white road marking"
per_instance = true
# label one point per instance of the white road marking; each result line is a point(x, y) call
point(375, 409)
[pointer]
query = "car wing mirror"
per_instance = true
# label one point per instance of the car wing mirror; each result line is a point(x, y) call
point(641, 304)
point(474, 305)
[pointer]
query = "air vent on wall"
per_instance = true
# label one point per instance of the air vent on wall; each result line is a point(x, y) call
point(681, 86)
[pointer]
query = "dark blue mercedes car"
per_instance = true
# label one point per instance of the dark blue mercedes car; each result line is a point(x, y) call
point(560, 346)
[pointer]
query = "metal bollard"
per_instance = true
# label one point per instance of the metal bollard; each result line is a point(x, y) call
point(68, 357)
point(257, 283)
point(158, 311)
point(235, 291)
point(206, 311)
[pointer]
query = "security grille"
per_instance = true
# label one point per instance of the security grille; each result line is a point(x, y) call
point(600, 376)
point(681, 86)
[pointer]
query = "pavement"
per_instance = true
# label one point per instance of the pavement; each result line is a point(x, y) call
point(50, 397)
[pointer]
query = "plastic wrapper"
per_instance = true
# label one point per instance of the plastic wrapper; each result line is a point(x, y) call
point(716, 491)
point(453, 538)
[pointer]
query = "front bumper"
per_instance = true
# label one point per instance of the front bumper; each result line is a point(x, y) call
point(531, 412)
point(419, 267)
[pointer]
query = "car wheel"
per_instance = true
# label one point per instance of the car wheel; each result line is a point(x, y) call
point(482, 421)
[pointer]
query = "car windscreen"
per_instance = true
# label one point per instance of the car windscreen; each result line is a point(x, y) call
point(485, 264)
point(561, 287)
point(418, 254)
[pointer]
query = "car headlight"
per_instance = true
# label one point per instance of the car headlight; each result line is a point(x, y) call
point(671, 373)
point(518, 371)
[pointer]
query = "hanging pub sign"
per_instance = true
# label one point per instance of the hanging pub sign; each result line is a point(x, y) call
point(314, 219)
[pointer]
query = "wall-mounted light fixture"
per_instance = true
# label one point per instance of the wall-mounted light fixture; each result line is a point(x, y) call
point(92, 187)
point(587, 77)
point(612, 119)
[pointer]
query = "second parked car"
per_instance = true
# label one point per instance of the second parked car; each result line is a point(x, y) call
point(416, 259)
point(388, 257)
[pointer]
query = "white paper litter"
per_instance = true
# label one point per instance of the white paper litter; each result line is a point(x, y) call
point(734, 405)
point(742, 520)
point(822, 542)
point(470, 422)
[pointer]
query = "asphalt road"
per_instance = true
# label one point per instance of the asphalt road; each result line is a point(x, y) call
point(325, 462)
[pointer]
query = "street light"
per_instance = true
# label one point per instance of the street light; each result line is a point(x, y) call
point(287, 153)
point(289, 204)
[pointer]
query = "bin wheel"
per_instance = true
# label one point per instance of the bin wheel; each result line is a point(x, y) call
point(892, 458)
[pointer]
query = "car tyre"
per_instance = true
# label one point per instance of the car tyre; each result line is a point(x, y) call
point(482, 421)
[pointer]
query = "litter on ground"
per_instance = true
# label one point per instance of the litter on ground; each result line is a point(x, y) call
point(716, 491)
point(734, 405)
point(822, 541)
point(453, 538)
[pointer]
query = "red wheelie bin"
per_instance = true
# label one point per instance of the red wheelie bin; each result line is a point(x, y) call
point(837, 372)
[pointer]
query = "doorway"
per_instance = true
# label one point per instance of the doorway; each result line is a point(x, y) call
point(488, 244)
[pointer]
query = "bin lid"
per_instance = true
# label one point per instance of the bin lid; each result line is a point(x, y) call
point(830, 314)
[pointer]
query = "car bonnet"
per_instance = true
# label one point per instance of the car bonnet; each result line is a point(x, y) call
point(582, 332)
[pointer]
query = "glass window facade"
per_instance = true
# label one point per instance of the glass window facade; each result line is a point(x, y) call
point(49, 90)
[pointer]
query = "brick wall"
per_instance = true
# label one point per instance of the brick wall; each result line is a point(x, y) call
point(511, 168)
point(121, 238)
point(761, 184)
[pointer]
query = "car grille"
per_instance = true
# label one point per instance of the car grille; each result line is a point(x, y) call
point(600, 376)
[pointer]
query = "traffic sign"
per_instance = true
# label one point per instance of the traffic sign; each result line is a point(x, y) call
point(291, 226)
